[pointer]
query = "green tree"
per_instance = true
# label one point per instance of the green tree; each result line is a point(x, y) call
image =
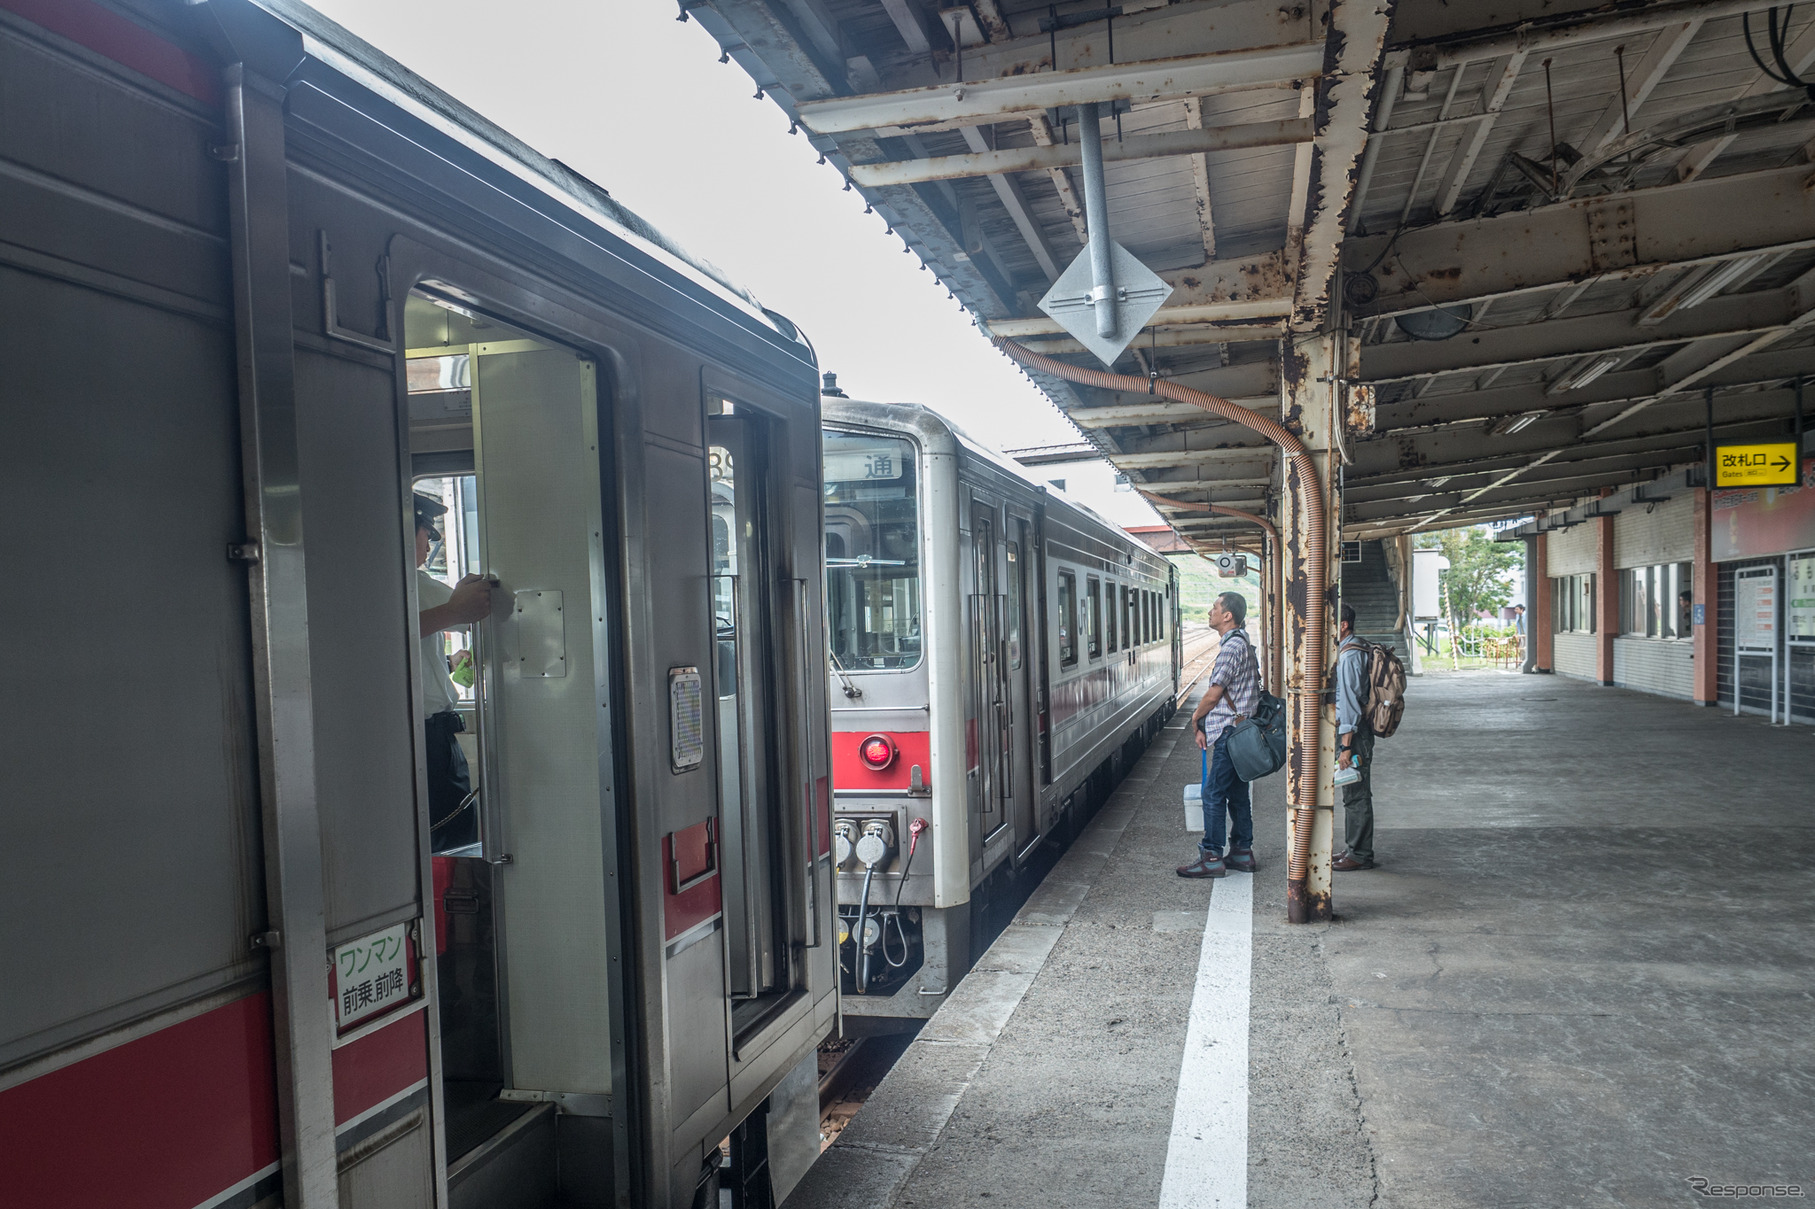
point(1480, 570)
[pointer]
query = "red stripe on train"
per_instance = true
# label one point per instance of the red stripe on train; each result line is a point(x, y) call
point(125, 42)
point(171, 1119)
point(163, 1122)
point(371, 1070)
point(851, 775)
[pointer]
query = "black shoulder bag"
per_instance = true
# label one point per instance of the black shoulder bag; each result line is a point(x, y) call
point(1257, 744)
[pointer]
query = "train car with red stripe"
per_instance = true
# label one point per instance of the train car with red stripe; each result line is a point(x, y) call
point(999, 654)
point(263, 292)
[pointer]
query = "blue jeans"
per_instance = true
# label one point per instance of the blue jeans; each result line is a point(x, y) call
point(1224, 795)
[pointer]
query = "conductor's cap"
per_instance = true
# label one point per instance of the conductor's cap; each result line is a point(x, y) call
point(429, 512)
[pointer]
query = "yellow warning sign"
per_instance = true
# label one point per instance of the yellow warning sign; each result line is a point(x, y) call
point(1772, 465)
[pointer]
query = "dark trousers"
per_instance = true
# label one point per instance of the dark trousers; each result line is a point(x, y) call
point(1224, 796)
point(1358, 802)
point(449, 785)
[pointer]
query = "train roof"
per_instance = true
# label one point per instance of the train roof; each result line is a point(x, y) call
point(913, 417)
point(564, 194)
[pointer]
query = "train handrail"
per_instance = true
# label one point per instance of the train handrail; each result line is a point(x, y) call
point(491, 798)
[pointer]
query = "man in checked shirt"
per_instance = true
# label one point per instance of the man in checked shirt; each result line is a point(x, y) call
point(1232, 694)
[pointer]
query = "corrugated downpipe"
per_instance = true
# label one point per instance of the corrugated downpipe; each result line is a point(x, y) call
point(1310, 495)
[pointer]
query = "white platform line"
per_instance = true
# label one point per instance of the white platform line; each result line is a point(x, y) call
point(1207, 1158)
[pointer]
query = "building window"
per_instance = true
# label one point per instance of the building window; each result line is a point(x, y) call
point(1572, 604)
point(1654, 601)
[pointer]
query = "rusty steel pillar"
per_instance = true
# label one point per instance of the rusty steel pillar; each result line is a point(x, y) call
point(1539, 623)
point(1705, 602)
point(1272, 585)
point(1312, 404)
point(1606, 599)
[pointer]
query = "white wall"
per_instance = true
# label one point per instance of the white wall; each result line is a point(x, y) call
point(1573, 551)
point(1573, 655)
point(1666, 534)
point(1655, 665)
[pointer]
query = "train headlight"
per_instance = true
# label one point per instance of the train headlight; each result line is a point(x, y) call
point(877, 752)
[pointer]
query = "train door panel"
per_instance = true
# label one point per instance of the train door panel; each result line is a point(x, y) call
point(543, 744)
point(987, 725)
point(746, 586)
point(505, 428)
point(1019, 656)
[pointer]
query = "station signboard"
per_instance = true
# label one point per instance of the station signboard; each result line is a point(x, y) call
point(1768, 464)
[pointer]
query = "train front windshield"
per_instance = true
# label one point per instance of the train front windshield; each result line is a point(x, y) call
point(872, 551)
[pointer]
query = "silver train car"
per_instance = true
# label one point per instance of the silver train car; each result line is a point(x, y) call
point(260, 286)
point(998, 655)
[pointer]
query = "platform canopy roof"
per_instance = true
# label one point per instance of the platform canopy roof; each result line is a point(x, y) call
point(1548, 226)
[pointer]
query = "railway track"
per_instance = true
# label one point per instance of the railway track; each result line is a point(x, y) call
point(1200, 649)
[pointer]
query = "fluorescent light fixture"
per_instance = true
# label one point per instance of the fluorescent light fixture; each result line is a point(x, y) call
point(1523, 422)
point(1584, 373)
point(1699, 285)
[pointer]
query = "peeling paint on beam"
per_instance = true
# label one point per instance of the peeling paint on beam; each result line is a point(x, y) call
point(1557, 245)
point(1356, 39)
point(977, 102)
point(1284, 132)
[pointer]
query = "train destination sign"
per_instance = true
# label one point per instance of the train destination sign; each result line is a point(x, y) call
point(1772, 464)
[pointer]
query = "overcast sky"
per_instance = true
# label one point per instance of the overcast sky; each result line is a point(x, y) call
point(638, 102)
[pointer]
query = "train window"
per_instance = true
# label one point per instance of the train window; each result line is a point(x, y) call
point(872, 551)
point(1093, 630)
point(1109, 630)
point(1143, 634)
point(1126, 613)
point(454, 556)
point(1068, 619)
point(1014, 605)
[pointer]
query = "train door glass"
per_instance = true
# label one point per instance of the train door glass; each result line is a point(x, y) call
point(746, 587)
point(1068, 619)
point(1019, 789)
point(988, 715)
point(506, 427)
point(1093, 596)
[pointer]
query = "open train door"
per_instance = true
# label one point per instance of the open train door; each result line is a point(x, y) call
point(534, 1022)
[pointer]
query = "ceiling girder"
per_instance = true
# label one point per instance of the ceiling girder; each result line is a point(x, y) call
point(1170, 31)
point(1578, 336)
point(1605, 238)
point(1168, 144)
point(1324, 180)
point(983, 100)
point(1615, 389)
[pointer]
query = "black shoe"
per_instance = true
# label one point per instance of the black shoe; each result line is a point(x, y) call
point(1204, 866)
point(1241, 860)
point(1347, 863)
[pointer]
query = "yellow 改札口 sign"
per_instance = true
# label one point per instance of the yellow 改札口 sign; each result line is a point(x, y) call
point(1768, 465)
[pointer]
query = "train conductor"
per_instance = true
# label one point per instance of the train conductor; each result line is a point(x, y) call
point(444, 608)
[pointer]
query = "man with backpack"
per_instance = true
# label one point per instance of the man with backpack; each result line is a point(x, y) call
point(1355, 661)
point(1231, 695)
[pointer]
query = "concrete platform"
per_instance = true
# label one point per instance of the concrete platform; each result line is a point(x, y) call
point(1580, 976)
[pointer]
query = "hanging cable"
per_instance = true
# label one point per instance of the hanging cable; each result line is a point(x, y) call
point(1777, 31)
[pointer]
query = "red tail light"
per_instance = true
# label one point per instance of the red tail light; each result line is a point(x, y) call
point(877, 752)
